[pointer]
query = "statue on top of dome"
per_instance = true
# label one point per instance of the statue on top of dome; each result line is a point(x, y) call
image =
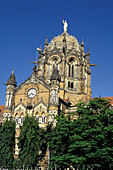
point(65, 25)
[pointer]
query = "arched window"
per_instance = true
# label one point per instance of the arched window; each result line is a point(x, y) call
point(72, 71)
point(16, 120)
point(43, 119)
point(72, 61)
point(68, 84)
point(36, 114)
point(72, 85)
point(22, 120)
point(54, 96)
point(69, 71)
point(53, 64)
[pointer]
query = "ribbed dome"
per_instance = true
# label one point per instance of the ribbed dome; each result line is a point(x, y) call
point(71, 42)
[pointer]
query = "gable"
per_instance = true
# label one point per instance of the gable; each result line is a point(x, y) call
point(22, 94)
point(20, 110)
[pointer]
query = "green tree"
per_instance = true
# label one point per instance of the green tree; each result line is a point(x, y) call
point(29, 143)
point(92, 143)
point(44, 139)
point(7, 144)
point(84, 143)
point(59, 142)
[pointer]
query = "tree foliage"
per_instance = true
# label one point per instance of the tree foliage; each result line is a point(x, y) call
point(86, 142)
point(29, 143)
point(44, 139)
point(59, 142)
point(93, 135)
point(7, 144)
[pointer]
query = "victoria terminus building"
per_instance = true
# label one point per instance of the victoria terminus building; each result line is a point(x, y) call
point(59, 79)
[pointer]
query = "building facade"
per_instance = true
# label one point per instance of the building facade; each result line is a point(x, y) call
point(59, 79)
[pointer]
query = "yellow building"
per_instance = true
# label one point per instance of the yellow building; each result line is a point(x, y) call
point(59, 80)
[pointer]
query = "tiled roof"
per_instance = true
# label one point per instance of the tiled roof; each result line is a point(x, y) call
point(2, 108)
point(109, 98)
point(1, 112)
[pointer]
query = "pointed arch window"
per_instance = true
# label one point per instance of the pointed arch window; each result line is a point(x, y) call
point(68, 84)
point(69, 70)
point(72, 62)
point(72, 85)
point(43, 119)
point(22, 120)
point(72, 71)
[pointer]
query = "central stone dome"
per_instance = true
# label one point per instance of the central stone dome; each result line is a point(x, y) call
point(71, 42)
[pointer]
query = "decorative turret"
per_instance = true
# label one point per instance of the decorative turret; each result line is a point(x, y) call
point(46, 43)
point(82, 45)
point(11, 84)
point(12, 80)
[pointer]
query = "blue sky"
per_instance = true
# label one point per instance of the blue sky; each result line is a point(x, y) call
point(24, 25)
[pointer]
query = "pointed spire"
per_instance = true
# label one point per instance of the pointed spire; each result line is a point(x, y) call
point(82, 44)
point(13, 71)
point(12, 80)
point(46, 42)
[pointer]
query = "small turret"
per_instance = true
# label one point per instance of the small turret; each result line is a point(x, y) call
point(46, 42)
point(12, 80)
point(82, 45)
point(11, 84)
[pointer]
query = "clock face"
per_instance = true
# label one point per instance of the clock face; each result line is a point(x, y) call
point(31, 93)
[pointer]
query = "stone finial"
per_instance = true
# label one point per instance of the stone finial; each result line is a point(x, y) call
point(46, 42)
point(88, 53)
point(12, 80)
point(82, 44)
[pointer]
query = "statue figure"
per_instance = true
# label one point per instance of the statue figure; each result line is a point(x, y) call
point(65, 25)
